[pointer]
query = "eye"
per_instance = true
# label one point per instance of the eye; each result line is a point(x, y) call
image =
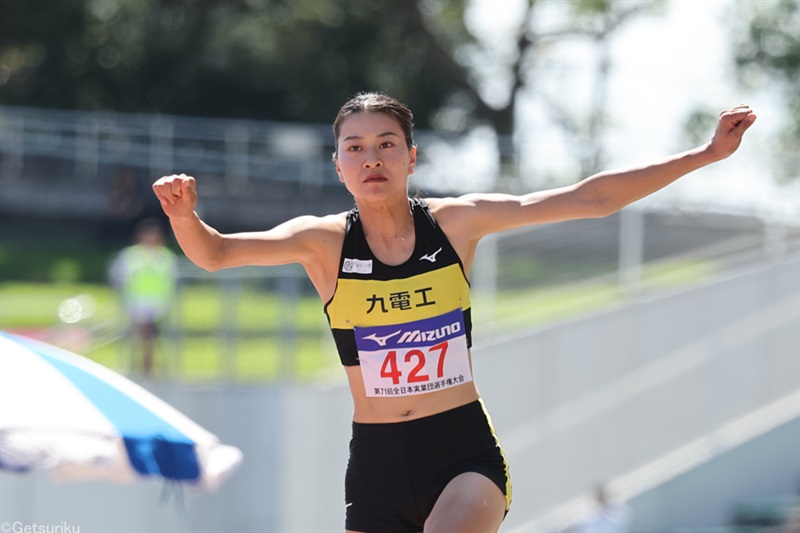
point(353, 148)
point(387, 144)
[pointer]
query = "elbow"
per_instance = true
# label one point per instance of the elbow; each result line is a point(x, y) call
point(601, 206)
point(207, 264)
point(210, 267)
point(209, 259)
point(592, 201)
point(608, 209)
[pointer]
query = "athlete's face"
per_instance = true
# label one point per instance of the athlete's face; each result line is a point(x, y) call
point(372, 158)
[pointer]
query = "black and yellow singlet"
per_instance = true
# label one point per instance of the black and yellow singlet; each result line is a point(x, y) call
point(408, 312)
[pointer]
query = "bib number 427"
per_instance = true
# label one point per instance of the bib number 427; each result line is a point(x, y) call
point(419, 362)
point(416, 357)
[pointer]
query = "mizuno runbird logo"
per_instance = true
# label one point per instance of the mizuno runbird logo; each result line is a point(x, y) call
point(382, 340)
point(431, 257)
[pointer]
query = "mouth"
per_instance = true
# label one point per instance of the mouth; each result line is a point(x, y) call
point(375, 178)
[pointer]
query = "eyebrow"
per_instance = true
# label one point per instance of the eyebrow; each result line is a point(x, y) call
point(384, 134)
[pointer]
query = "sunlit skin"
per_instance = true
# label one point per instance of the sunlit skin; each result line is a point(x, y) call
point(374, 162)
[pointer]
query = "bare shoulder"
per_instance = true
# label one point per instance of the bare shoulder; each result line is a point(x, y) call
point(451, 206)
point(320, 241)
point(327, 223)
point(464, 203)
point(305, 225)
point(464, 214)
point(304, 239)
point(457, 218)
point(479, 214)
point(318, 231)
point(332, 226)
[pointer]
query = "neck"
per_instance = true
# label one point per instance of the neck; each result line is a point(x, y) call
point(393, 221)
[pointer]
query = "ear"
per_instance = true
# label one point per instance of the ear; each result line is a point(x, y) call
point(338, 169)
point(413, 161)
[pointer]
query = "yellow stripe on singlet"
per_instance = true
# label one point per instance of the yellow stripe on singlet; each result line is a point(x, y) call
point(368, 302)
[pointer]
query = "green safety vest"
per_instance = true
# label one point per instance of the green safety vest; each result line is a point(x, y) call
point(149, 274)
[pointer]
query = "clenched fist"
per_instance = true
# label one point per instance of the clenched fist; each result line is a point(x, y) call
point(730, 128)
point(177, 194)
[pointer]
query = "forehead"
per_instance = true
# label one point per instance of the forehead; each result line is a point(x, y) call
point(369, 124)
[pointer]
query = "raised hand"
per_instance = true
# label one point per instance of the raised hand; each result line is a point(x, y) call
point(177, 194)
point(730, 128)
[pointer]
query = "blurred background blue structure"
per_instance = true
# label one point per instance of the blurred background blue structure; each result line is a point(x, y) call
point(656, 351)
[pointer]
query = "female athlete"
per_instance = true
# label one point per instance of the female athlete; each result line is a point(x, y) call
point(393, 275)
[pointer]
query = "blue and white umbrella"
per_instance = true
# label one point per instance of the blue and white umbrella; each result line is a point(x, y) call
point(62, 411)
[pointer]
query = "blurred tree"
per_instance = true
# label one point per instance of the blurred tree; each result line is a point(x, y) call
point(768, 50)
point(488, 80)
point(298, 60)
point(36, 51)
point(261, 59)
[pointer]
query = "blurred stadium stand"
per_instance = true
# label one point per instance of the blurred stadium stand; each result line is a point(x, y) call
point(254, 174)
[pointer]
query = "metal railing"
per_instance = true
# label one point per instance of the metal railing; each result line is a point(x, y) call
point(94, 141)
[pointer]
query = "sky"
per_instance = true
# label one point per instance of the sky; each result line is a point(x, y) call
point(685, 62)
point(663, 67)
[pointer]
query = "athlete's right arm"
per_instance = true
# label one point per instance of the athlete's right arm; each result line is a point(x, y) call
point(295, 241)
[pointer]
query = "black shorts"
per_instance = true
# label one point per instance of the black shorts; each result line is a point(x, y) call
point(397, 471)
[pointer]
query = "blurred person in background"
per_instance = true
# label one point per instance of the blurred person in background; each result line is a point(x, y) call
point(605, 517)
point(393, 274)
point(144, 276)
point(126, 206)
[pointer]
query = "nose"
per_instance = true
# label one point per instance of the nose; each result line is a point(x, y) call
point(371, 159)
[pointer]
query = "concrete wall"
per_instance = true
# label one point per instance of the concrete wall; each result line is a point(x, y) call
point(573, 403)
point(593, 399)
point(762, 469)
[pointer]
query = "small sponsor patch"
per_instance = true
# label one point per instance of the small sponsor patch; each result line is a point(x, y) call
point(412, 334)
point(357, 266)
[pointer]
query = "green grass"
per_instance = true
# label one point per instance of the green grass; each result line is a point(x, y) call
point(243, 338)
point(518, 309)
point(35, 305)
point(273, 339)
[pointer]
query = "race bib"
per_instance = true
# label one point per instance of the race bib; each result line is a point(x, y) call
point(415, 357)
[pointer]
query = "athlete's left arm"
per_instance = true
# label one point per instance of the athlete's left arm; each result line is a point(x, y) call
point(596, 196)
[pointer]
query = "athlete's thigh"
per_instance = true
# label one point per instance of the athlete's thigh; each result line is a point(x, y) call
point(471, 502)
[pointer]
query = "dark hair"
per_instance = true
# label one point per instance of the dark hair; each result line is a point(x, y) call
point(375, 103)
